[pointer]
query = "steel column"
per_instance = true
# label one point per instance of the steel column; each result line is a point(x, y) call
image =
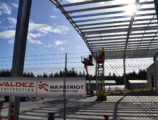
point(155, 72)
point(19, 49)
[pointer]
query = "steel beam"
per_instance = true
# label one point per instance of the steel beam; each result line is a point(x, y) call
point(119, 30)
point(95, 8)
point(120, 35)
point(114, 17)
point(117, 39)
point(85, 2)
point(108, 13)
point(114, 22)
point(116, 26)
point(104, 7)
point(122, 42)
point(104, 33)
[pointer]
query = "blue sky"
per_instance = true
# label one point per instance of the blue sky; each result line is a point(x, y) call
point(49, 31)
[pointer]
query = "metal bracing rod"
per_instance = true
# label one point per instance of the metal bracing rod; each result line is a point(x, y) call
point(85, 2)
point(153, 39)
point(58, 5)
point(128, 34)
point(120, 35)
point(114, 26)
point(119, 30)
point(113, 17)
point(105, 7)
point(113, 22)
point(146, 29)
point(107, 13)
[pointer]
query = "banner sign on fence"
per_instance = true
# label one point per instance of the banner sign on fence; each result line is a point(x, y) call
point(43, 87)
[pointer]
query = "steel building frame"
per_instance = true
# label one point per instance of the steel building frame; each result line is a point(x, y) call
point(121, 35)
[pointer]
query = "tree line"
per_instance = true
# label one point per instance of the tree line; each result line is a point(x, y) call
point(140, 75)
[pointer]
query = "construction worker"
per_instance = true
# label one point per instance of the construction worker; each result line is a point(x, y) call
point(101, 53)
point(90, 57)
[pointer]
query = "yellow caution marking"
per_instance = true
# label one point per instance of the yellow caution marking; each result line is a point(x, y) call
point(125, 91)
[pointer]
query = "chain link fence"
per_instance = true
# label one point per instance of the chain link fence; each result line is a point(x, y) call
point(140, 105)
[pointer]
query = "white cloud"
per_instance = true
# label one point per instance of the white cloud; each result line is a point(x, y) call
point(45, 28)
point(58, 42)
point(42, 28)
point(7, 34)
point(32, 41)
point(34, 35)
point(14, 5)
point(61, 48)
point(5, 9)
point(11, 41)
point(35, 32)
point(53, 17)
point(10, 34)
point(12, 20)
point(73, 1)
point(49, 45)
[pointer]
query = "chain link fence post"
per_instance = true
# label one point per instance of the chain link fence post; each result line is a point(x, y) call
point(64, 89)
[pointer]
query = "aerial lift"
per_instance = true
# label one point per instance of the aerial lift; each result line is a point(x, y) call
point(100, 59)
point(88, 61)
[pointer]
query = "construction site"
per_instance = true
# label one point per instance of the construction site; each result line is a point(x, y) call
point(117, 79)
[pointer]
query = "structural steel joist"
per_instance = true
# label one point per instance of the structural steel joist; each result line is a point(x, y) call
point(107, 26)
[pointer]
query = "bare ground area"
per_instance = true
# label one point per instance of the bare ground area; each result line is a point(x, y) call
point(116, 107)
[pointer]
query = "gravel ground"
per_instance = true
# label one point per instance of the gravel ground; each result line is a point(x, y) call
point(116, 107)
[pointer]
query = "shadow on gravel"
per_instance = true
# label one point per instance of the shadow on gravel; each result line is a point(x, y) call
point(116, 108)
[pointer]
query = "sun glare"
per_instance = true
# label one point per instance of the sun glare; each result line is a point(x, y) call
point(130, 9)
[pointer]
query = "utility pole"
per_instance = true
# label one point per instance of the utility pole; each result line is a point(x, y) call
point(19, 52)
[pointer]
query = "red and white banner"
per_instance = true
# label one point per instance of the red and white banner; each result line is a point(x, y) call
point(42, 87)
